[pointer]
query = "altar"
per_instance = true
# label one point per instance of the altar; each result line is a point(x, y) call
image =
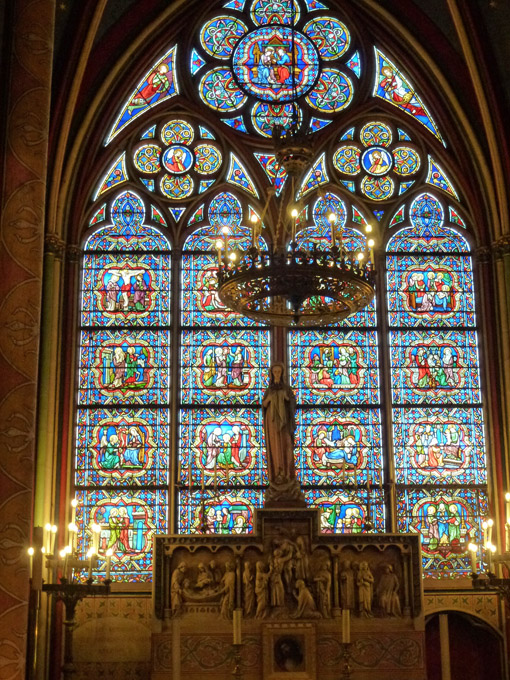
point(301, 603)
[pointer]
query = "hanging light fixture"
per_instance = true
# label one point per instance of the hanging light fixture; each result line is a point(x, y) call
point(287, 283)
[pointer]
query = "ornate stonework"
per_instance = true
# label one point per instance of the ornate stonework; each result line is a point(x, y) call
point(291, 582)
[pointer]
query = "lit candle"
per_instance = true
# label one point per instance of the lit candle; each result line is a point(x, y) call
point(30, 552)
point(507, 504)
point(74, 504)
point(73, 531)
point(346, 626)
point(254, 220)
point(53, 536)
point(371, 244)
point(219, 243)
point(491, 549)
point(90, 556)
point(332, 221)
point(238, 617)
point(109, 554)
point(484, 533)
point(473, 550)
point(294, 214)
point(68, 551)
point(507, 527)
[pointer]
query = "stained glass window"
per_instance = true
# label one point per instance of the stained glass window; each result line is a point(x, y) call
point(182, 177)
point(123, 434)
point(438, 432)
point(335, 375)
point(224, 370)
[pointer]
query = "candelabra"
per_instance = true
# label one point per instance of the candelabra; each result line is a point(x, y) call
point(70, 593)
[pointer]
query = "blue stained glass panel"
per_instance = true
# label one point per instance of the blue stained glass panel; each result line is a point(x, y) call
point(426, 290)
point(201, 305)
point(225, 210)
point(126, 290)
point(439, 367)
point(221, 366)
point(124, 367)
point(329, 35)
point(225, 513)
point(222, 448)
point(142, 237)
point(448, 520)
point(205, 238)
point(271, 12)
point(439, 446)
point(128, 521)
point(219, 90)
point(338, 446)
point(349, 511)
point(329, 367)
point(122, 447)
point(333, 91)
point(428, 238)
point(219, 35)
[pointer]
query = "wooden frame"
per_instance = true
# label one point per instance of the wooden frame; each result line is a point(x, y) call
point(289, 651)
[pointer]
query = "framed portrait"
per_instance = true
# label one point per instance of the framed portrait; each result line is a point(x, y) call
point(289, 651)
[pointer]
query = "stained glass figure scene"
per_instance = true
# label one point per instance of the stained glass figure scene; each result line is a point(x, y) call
point(225, 362)
point(392, 85)
point(272, 56)
point(438, 429)
point(122, 433)
point(157, 86)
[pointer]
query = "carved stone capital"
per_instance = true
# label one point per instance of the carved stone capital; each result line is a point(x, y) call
point(73, 253)
point(502, 246)
point(483, 254)
point(54, 245)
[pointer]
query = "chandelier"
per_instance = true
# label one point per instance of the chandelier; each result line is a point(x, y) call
point(289, 282)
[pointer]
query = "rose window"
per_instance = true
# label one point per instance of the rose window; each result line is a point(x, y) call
point(179, 162)
point(254, 74)
point(380, 166)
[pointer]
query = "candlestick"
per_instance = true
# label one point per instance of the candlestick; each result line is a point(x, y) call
point(90, 556)
point(507, 531)
point(254, 220)
point(368, 481)
point(47, 537)
point(219, 243)
point(237, 623)
point(74, 504)
point(473, 550)
point(346, 626)
point(225, 233)
point(109, 554)
point(53, 537)
point(96, 530)
point(30, 552)
point(484, 533)
point(490, 524)
point(73, 531)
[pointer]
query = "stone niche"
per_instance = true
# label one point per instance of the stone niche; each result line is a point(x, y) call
point(292, 584)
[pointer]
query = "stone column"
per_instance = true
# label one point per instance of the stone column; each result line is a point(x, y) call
point(25, 88)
